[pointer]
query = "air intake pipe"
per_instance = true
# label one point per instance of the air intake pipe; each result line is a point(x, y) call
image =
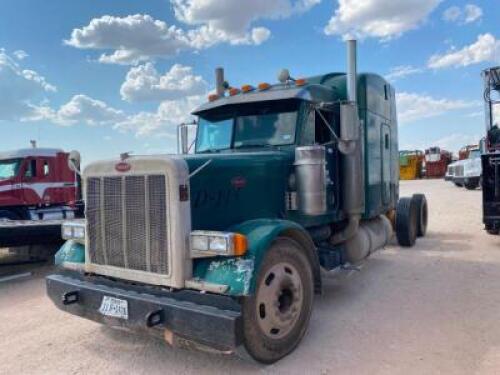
point(351, 147)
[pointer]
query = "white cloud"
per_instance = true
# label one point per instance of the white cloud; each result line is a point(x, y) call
point(452, 14)
point(20, 54)
point(378, 18)
point(402, 71)
point(81, 109)
point(412, 107)
point(164, 121)
point(137, 38)
point(485, 49)
point(231, 20)
point(144, 83)
point(470, 13)
point(132, 39)
point(21, 90)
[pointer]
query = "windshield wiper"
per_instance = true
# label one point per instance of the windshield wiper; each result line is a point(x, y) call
point(255, 145)
point(212, 150)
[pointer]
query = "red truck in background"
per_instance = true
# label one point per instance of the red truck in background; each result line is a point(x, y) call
point(464, 152)
point(436, 162)
point(37, 184)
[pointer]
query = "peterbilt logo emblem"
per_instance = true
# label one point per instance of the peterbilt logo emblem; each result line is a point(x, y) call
point(239, 182)
point(123, 167)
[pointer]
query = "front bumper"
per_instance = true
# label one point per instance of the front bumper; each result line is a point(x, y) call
point(209, 320)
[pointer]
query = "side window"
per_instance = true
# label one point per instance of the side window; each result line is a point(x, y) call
point(322, 132)
point(30, 169)
point(45, 168)
point(308, 131)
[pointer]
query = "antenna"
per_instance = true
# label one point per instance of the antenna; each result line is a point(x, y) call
point(33, 143)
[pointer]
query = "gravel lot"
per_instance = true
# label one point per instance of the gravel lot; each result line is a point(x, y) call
point(430, 309)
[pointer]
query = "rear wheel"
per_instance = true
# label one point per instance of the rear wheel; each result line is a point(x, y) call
point(422, 213)
point(406, 222)
point(276, 317)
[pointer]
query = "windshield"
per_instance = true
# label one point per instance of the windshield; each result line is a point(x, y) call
point(247, 127)
point(474, 154)
point(9, 168)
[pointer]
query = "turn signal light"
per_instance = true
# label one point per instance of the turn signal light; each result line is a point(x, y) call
point(240, 244)
point(213, 97)
point(300, 82)
point(247, 88)
point(264, 86)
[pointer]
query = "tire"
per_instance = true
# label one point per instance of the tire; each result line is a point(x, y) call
point(8, 215)
point(406, 222)
point(471, 184)
point(493, 232)
point(276, 316)
point(457, 184)
point(422, 213)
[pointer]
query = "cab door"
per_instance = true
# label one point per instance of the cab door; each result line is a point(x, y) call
point(27, 176)
point(45, 179)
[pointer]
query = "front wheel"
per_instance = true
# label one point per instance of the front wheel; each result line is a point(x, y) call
point(471, 184)
point(276, 317)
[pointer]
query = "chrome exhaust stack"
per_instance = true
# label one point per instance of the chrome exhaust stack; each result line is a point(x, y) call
point(351, 147)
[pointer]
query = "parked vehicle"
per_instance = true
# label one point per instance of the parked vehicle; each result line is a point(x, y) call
point(37, 184)
point(452, 170)
point(224, 248)
point(491, 155)
point(468, 172)
point(411, 164)
point(436, 162)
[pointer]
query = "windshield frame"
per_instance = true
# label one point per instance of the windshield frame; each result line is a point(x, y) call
point(238, 112)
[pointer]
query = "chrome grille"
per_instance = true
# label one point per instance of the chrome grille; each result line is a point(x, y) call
point(127, 222)
point(459, 170)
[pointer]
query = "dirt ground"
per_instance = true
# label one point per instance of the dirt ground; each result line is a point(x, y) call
point(426, 310)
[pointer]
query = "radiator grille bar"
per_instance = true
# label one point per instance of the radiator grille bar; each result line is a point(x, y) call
point(128, 223)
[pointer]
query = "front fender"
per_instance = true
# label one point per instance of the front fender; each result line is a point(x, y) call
point(70, 252)
point(239, 273)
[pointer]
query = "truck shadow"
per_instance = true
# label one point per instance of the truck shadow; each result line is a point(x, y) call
point(161, 355)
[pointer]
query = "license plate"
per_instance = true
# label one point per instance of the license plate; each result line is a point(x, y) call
point(115, 307)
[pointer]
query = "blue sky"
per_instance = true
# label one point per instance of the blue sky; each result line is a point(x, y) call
point(110, 76)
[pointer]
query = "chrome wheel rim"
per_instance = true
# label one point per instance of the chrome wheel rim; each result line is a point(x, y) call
point(279, 300)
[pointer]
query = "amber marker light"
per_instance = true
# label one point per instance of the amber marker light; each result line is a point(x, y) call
point(300, 82)
point(240, 244)
point(247, 88)
point(213, 97)
point(234, 91)
point(264, 86)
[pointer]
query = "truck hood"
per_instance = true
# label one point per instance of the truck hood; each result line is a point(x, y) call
point(237, 186)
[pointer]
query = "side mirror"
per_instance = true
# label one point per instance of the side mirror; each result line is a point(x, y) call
point(74, 159)
point(183, 135)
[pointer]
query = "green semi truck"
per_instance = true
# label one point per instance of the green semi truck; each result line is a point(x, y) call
point(224, 248)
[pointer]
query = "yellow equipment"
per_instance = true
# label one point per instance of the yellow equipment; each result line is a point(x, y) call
point(410, 164)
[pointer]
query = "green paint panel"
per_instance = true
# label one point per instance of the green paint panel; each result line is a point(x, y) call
point(71, 252)
point(236, 187)
point(240, 273)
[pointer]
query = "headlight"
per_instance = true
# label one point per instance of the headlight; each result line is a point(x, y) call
point(209, 243)
point(73, 231)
